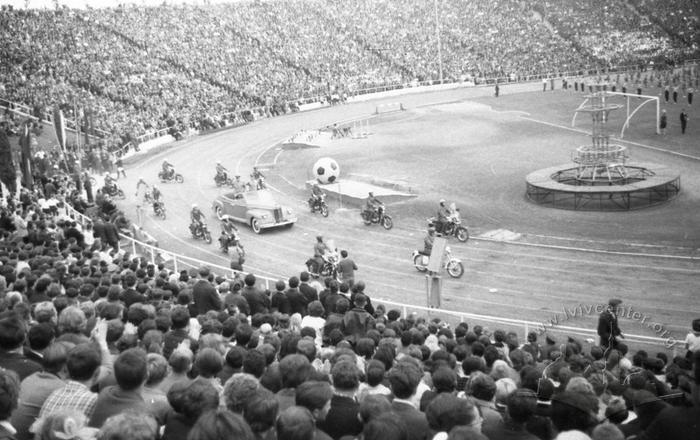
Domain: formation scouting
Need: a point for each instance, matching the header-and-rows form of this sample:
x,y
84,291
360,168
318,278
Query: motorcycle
x,y
377,216
159,209
453,265
113,191
177,177
452,227
222,180
329,268
201,232
319,205
229,238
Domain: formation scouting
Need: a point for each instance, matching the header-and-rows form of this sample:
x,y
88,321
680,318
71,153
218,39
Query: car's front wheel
x,y
255,225
219,212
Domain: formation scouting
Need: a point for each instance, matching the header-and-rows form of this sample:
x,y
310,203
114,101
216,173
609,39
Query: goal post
x,y
645,100
630,109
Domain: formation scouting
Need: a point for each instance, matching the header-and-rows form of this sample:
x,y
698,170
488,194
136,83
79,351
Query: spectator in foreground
x,y
131,372
129,425
12,336
35,389
295,423
404,379
9,393
316,397
221,424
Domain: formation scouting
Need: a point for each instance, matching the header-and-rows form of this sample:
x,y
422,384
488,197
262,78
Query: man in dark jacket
x,y
357,321
257,300
279,301
306,289
297,301
404,379
608,330
204,294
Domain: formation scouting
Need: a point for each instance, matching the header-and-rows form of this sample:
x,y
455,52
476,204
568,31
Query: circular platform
x,y
649,184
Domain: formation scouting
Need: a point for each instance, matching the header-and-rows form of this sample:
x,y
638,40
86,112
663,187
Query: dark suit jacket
x,y
18,363
257,300
279,302
309,292
205,297
415,421
297,301
113,400
342,418
608,328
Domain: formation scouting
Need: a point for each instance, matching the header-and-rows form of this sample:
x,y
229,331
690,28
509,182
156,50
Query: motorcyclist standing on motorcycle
x,y
238,186
168,169
373,205
141,184
443,216
197,219
316,195
221,171
320,249
257,174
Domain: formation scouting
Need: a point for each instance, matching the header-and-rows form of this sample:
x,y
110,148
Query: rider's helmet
x,y
106,174
371,194
154,186
431,230
442,201
218,162
194,206
319,238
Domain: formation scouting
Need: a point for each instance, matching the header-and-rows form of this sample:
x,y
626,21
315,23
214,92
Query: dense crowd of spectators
x,y
608,31
677,17
181,67
98,343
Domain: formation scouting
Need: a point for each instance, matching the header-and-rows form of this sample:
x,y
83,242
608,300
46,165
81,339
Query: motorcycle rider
x,y
320,249
316,195
373,205
443,216
257,179
168,169
156,196
196,219
228,233
110,183
221,172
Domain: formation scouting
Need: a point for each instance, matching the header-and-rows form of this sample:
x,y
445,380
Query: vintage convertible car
x,y
259,209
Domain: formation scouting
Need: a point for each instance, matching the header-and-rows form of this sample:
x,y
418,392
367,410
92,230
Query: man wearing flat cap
x,y
608,330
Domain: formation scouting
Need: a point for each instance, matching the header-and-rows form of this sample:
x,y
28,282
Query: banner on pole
x,y
59,125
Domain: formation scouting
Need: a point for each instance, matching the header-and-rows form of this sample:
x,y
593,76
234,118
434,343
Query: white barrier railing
x,y
178,262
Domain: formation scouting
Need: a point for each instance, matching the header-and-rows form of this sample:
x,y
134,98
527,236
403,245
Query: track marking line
x,y
637,144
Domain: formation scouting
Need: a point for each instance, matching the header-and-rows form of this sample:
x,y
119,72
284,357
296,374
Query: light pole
x,y
437,34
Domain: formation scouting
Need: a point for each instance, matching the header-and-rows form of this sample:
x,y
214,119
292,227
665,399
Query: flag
x,y
25,143
59,125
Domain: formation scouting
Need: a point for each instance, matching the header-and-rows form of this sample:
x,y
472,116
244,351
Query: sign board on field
x,y
437,254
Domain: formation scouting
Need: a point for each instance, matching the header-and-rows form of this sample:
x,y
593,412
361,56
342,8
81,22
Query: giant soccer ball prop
x,y
326,170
